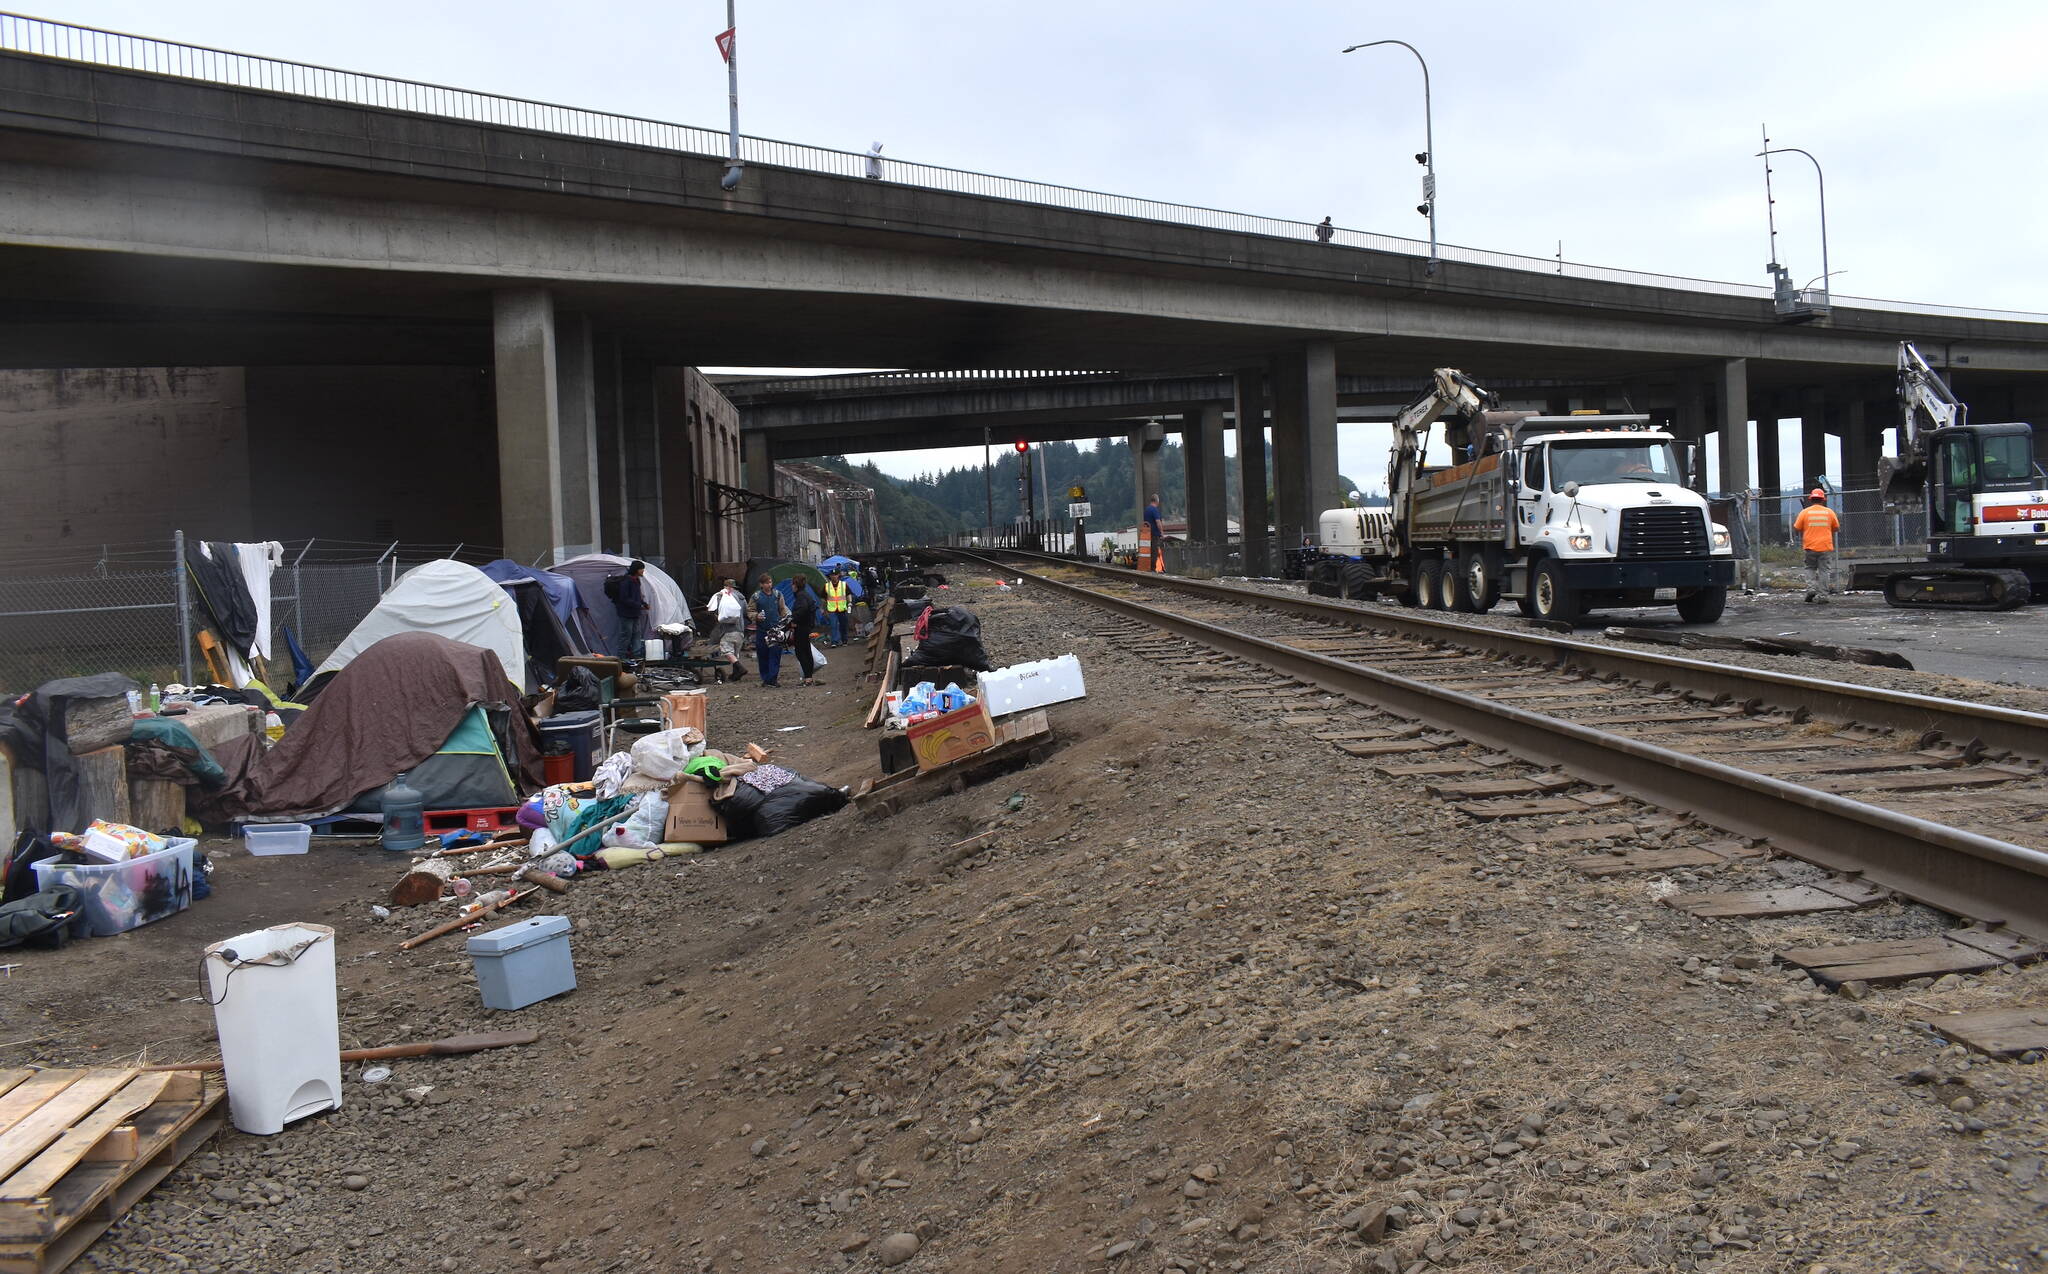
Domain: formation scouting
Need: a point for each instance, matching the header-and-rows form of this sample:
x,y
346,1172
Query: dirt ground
x,y
1210,997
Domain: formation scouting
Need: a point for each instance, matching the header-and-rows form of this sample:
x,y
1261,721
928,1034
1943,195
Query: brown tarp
x,y
391,708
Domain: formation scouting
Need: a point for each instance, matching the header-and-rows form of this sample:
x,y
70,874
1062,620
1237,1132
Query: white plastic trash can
x,y
280,1032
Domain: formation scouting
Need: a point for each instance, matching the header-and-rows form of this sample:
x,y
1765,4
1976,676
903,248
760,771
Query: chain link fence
x,y
123,611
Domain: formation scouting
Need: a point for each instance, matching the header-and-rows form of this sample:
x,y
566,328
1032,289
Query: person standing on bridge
x,y
1816,525
1325,231
875,162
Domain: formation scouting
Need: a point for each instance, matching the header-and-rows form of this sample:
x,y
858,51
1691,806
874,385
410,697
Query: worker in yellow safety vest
x,y
838,601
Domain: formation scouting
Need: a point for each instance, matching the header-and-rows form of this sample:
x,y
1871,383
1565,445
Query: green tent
x,y
466,772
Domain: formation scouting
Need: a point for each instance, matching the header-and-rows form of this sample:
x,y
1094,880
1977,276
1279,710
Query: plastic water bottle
x,y
405,816
156,699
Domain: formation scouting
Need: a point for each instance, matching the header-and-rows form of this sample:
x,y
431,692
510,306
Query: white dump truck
x,y
1561,514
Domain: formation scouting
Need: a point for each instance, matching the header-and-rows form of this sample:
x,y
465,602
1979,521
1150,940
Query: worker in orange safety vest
x,y
1816,526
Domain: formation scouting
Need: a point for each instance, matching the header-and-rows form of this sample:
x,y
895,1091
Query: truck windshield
x,y
1595,461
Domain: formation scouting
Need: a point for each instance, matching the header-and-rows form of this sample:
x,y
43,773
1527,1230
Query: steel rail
x,y
1977,877
1997,729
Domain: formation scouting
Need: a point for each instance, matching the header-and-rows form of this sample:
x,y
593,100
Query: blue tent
x,y
563,598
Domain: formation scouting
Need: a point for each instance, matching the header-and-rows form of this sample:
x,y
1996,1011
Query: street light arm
x,y
1428,135
1820,176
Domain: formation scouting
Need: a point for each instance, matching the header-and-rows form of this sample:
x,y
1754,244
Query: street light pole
x,y
1826,276
731,180
1428,155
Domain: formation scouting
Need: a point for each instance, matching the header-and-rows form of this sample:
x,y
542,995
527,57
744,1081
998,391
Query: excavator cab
x,y
1972,461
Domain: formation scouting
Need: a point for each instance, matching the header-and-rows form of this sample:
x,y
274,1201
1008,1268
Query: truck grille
x,y
1663,533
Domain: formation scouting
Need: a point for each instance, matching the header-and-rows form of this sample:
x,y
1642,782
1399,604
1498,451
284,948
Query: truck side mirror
x,y
1690,457
1570,490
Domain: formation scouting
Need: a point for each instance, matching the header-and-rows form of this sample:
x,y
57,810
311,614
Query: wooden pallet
x,y
1027,737
78,1148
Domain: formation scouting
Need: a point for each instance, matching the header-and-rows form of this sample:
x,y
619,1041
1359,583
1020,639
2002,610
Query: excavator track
x,y
1958,588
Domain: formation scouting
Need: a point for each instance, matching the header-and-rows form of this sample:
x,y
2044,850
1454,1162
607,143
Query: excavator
x,y
1985,498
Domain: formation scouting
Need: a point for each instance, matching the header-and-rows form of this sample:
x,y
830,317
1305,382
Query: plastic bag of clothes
x,y
578,692
770,800
643,827
660,757
951,638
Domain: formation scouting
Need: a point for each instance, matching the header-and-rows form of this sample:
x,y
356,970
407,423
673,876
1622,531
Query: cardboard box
x,y
690,816
943,740
680,708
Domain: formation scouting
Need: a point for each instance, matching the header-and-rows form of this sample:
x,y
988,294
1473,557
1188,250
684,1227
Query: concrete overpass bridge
x,y
161,204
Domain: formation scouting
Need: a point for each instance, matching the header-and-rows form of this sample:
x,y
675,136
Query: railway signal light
x,y
1022,446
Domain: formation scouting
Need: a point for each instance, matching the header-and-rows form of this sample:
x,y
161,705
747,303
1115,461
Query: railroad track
x,y
1940,801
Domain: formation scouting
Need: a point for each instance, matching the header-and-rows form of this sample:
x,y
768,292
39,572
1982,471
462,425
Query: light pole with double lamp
x,y
1428,156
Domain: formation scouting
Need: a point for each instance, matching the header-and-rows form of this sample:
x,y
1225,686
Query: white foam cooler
x,y
1022,687
280,1031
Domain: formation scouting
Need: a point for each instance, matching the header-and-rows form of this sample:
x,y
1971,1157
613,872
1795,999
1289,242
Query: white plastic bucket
x,y
280,1033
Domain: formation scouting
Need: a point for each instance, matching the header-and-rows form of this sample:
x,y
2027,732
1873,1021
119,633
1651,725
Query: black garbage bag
x,y
795,803
952,639
771,800
578,692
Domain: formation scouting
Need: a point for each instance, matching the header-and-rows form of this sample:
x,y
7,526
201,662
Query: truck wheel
x,y
1429,584
1360,584
1553,598
1478,582
1705,606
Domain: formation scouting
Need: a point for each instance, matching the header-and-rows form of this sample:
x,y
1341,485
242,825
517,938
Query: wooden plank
x,y
1793,900
1533,836
1851,953
1999,1032
1482,789
1428,769
10,1078
25,1097
1650,860
1393,747
1347,736
1578,804
27,1137
1868,764
1976,776
44,1171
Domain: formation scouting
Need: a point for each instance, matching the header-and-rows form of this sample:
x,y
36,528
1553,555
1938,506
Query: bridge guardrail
x,y
42,37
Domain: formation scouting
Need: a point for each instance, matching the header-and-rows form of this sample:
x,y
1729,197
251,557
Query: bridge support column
x,y
1254,511
611,441
1862,443
676,445
1813,437
1732,418
1689,421
1304,438
1770,470
640,456
529,443
1145,444
576,427
1208,499
761,480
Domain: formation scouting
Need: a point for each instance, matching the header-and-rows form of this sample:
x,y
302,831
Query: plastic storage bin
x,y
523,963
277,838
131,893
580,731
280,1034
1022,687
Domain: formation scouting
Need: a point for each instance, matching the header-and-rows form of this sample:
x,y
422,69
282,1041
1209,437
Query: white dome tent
x,y
449,598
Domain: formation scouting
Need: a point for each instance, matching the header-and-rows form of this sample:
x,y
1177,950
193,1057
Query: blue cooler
x,y
523,963
580,730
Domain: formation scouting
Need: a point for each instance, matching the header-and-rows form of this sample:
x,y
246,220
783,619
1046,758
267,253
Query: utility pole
x,y
988,487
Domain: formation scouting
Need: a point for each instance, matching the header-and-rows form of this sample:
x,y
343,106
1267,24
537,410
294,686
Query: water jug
x,y
405,819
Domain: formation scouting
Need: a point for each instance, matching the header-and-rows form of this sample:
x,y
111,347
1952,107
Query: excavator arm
x,y
1926,403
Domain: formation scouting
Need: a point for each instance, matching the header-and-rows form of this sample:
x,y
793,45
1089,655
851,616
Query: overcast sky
x,y
1625,130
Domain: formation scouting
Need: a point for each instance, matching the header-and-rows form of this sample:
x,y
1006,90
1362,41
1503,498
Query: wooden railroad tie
x,y
1999,1032
1792,900
1712,854
1900,960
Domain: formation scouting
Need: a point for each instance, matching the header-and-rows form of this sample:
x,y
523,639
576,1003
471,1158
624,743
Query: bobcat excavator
x,y
1986,501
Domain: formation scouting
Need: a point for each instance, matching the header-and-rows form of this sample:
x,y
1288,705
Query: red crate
x,y
489,820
